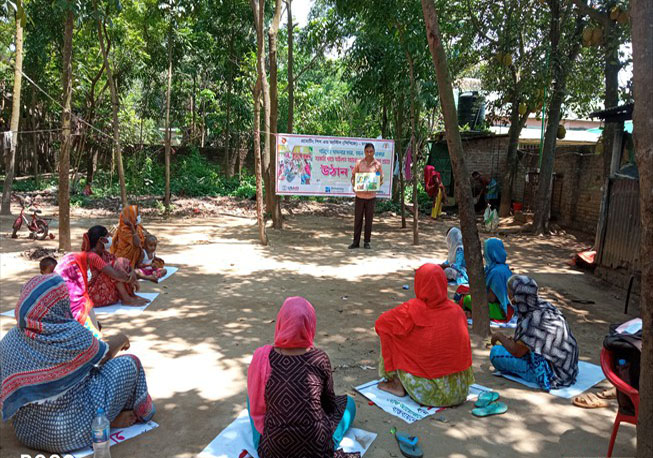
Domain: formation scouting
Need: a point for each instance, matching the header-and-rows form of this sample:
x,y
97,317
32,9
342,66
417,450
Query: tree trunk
x,y
66,144
516,125
473,257
413,146
117,148
257,159
258,6
229,154
277,219
560,73
5,209
168,133
384,118
611,70
400,131
642,36
291,62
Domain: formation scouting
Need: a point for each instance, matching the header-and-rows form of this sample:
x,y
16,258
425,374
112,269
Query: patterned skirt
x,y
449,390
64,425
102,288
531,367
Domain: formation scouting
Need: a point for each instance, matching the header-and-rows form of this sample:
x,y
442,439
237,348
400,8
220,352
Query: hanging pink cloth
x,y
408,163
295,328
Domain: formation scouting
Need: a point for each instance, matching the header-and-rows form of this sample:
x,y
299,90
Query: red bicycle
x,y
38,227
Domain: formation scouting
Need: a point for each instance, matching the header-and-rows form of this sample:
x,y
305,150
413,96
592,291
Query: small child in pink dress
x,y
149,267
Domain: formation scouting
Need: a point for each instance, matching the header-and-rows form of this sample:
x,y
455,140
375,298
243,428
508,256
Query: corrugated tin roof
x,y
573,137
619,113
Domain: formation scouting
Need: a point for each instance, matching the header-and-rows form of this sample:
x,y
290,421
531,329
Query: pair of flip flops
x,y
595,400
487,404
408,445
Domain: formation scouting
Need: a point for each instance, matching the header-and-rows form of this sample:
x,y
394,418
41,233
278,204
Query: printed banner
x,y
310,165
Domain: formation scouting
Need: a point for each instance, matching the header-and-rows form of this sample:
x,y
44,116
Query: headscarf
x,y
497,271
47,352
73,268
426,336
544,330
123,243
295,328
454,241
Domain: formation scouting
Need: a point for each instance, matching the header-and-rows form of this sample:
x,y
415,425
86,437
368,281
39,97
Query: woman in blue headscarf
x,y
497,274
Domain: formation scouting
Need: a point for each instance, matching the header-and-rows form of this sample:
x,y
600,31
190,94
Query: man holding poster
x,y
366,179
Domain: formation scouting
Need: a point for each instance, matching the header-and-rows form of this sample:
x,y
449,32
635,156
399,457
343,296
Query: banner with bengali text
x,y
309,165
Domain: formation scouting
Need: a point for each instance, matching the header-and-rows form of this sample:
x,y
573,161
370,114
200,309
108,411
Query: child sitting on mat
x,y
149,267
47,265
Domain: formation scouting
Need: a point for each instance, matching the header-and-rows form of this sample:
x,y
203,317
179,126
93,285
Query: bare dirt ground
x,y
197,338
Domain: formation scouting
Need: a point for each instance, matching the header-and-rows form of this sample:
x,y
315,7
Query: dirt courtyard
x,y
196,339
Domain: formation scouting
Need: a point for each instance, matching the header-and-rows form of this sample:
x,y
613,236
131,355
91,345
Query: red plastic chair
x,y
607,363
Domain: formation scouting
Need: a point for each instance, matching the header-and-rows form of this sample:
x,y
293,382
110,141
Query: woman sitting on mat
x,y
455,267
104,289
425,347
130,236
56,375
73,268
293,409
543,350
497,274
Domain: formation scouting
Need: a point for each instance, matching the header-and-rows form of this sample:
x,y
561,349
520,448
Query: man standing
x,y
365,200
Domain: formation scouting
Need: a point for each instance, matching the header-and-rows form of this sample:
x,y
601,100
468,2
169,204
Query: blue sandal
x,y
496,408
408,445
486,398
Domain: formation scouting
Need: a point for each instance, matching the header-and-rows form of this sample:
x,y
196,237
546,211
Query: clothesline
x,y
57,103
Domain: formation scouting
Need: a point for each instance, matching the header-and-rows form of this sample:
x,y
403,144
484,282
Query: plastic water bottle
x,y
100,431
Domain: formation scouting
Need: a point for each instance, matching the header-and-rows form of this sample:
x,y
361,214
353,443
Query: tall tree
x,y
275,202
612,22
258,7
168,130
15,110
115,104
510,40
291,63
66,125
641,16
413,131
563,52
473,257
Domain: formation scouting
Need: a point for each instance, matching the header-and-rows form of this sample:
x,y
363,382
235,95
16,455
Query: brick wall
x,y
577,181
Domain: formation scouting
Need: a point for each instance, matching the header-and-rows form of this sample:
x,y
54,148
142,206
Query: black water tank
x,y
471,110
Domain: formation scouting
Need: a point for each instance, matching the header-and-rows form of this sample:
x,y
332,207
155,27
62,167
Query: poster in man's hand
x,y
367,181
308,165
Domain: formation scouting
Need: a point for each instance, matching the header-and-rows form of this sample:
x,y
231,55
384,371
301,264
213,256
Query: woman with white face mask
x,y
74,267
130,237
104,288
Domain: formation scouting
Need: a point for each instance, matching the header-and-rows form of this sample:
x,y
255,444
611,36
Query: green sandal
x,y
496,408
486,398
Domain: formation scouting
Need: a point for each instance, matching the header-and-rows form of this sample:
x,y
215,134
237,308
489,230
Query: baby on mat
x,y
149,266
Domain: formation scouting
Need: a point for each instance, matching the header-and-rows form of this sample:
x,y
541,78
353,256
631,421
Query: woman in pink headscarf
x,y
293,409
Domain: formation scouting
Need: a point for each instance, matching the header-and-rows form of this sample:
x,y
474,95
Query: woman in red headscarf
x,y
293,409
425,347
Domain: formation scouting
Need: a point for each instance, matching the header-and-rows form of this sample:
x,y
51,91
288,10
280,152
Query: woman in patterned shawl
x,y
293,409
543,350
55,374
